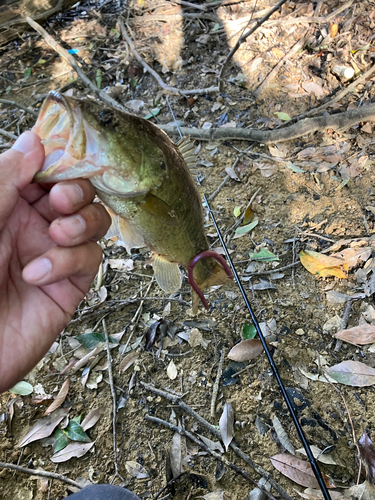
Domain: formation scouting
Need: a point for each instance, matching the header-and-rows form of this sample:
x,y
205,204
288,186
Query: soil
x,y
309,201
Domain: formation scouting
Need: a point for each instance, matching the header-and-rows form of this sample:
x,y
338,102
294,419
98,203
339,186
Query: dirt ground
x,y
305,199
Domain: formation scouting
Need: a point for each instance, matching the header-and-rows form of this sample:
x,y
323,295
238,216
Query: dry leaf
x,y
364,491
60,398
232,174
122,265
282,435
352,255
212,445
129,360
334,30
358,335
226,425
246,350
176,455
317,452
44,426
73,450
367,451
353,373
91,419
215,495
323,265
172,370
136,470
297,470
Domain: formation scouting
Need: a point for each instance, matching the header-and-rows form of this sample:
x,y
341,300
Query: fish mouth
x,y
61,127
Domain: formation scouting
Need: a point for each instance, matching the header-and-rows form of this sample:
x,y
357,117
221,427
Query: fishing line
x,y
298,427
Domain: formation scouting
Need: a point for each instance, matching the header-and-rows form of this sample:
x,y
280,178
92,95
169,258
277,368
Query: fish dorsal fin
x,y
187,148
158,208
167,274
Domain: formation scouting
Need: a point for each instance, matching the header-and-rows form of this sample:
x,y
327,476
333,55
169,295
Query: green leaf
x,y
27,73
216,27
154,112
264,255
8,89
22,388
61,440
294,168
246,229
75,432
237,211
283,116
248,331
41,61
77,419
98,78
343,183
91,340
133,82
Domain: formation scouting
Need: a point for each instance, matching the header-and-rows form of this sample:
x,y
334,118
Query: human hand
x,y
48,256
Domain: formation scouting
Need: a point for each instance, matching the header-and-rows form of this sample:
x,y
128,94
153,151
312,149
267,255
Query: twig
x,y
153,73
20,106
340,95
336,121
242,39
344,323
294,257
9,135
217,191
215,388
296,47
200,443
272,271
114,406
40,473
74,64
216,433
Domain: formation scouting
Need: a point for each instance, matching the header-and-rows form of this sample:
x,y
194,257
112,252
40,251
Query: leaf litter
x,y
301,190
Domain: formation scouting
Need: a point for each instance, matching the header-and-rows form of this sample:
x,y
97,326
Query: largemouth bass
x,y
140,175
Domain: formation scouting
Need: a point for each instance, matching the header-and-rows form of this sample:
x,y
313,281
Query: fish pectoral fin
x,y
127,233
167,274
158,208
62,172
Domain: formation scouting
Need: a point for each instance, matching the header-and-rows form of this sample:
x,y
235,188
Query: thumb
x,y
18,166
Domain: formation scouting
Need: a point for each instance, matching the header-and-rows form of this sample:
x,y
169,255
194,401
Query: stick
x,y
9,135
307,126
215,388
242,39
114,406
153,73
40,473
200,443
216,433
74,64
21,106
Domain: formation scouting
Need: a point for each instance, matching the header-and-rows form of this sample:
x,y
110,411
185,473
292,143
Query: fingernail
x,y
72,192
37,270
73,226
25,143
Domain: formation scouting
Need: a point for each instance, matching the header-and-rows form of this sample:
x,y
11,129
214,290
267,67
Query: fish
x,y
142,177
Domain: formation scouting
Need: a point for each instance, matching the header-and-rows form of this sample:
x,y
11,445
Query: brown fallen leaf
x,y
297,470
352,255
364,491
91,419
44,426
129,360
73,450
246,350
367,455
323,265
334,30
358,335
60,398
353,373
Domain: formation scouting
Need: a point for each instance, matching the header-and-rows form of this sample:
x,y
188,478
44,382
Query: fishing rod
x,y
313,462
